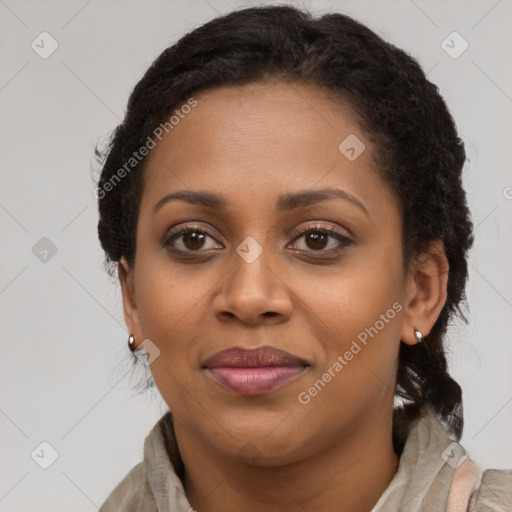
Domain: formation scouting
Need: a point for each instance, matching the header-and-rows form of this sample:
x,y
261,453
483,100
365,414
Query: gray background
x,y
65,369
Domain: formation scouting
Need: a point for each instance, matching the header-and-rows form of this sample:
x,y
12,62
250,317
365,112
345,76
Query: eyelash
x,y
317,228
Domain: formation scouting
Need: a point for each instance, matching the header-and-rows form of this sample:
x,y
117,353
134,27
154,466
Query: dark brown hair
x,y
415,141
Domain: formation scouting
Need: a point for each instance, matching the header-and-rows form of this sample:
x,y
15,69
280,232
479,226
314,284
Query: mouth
x,y
253,372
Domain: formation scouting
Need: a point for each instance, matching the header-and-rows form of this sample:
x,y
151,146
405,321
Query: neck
x,y
351,473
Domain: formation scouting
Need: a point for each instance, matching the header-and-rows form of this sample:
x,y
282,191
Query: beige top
x,y
434,475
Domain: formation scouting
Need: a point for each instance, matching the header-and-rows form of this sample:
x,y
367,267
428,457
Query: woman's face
x,y
246,274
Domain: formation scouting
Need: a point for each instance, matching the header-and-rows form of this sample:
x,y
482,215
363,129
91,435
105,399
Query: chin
x,y
263,440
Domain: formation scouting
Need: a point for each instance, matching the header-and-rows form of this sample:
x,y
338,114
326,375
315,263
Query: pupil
x,y
194,238
315,238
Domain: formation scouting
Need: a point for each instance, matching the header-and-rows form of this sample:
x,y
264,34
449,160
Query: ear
x,y
131,313
426,291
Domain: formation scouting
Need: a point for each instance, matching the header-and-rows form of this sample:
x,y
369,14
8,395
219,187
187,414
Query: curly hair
x,y
416,146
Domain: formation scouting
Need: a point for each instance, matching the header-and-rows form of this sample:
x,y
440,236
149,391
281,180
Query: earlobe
x,y
426,293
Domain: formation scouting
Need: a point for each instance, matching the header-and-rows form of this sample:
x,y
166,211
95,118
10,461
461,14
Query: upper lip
x,y
238,357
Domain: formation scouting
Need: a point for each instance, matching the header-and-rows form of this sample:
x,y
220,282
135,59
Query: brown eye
x,y
193,240
188,239
317,239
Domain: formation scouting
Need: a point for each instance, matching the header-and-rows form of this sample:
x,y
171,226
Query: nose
x,y
253,292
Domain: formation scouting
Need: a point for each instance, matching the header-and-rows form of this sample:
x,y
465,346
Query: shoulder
x,y
495,493
472,490
130,493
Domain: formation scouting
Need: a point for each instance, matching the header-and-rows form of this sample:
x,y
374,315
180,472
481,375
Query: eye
x,y
193,239
189,238
317,239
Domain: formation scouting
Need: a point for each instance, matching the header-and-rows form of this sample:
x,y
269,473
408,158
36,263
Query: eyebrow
x,y
285,202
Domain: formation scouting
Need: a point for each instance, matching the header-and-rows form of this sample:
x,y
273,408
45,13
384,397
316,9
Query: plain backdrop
x,y
65,369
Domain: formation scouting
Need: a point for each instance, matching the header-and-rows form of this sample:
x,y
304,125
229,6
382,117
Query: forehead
x,y
272,116
258,139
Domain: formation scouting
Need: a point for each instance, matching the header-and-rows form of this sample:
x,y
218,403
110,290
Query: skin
x,y
270,452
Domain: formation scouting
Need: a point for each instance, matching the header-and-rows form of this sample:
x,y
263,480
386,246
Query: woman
x,y
283,206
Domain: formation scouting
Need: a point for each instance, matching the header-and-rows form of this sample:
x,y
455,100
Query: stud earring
x,y
131,343
419,335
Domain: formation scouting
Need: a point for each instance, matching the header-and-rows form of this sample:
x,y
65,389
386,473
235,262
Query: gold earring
x,y
131,343
419,335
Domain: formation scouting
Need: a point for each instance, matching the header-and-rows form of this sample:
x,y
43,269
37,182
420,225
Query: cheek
x,y
169,294
357,296
171,313
175,313
362,310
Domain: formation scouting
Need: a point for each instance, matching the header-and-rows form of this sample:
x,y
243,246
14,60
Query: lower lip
x,y
254,381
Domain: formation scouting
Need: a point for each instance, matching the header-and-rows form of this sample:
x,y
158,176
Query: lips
x,y
256,371
237,357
